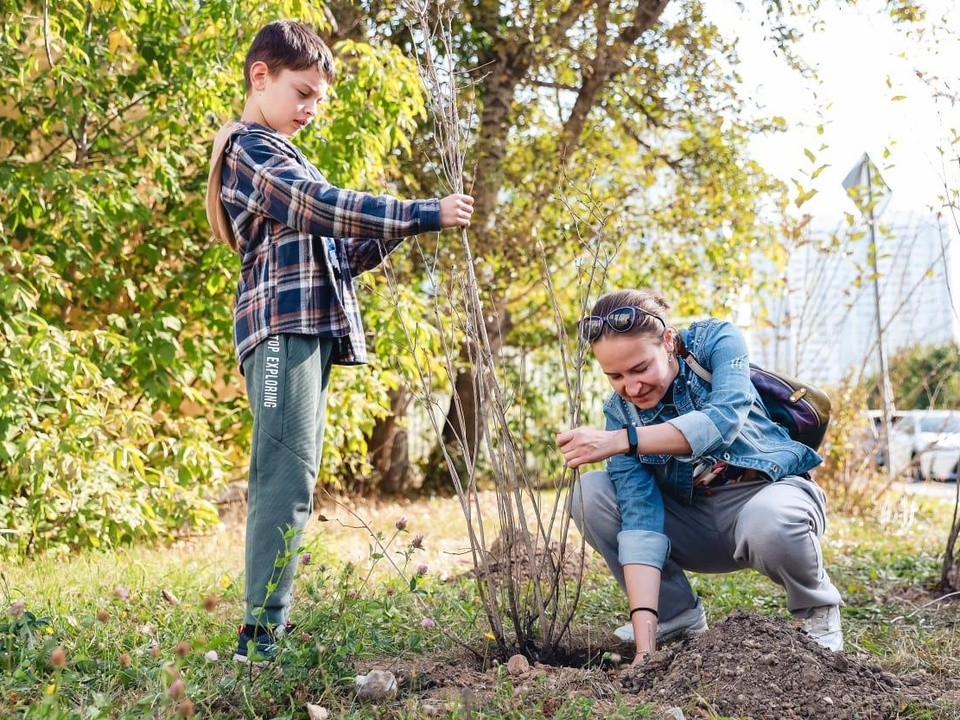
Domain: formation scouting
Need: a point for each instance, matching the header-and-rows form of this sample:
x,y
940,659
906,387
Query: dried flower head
x,y
58,658
186,708
103,615
124,659
182,649
177,690
17,609
417,541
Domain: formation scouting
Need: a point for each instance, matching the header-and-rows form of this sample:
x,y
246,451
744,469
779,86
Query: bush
x,y
80,463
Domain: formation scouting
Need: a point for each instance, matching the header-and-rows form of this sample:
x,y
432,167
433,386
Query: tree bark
x,y
387,447
461,430
950,568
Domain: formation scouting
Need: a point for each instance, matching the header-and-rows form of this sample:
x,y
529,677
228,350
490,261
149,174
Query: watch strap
x,y
631,440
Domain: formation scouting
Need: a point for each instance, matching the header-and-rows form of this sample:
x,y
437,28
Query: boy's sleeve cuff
x,y
643,547
429,213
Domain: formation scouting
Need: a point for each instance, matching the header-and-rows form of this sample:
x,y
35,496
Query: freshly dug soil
x,y
752,666
747,666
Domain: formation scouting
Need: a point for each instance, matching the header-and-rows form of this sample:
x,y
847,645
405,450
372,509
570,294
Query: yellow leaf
x,y
116,39
803,197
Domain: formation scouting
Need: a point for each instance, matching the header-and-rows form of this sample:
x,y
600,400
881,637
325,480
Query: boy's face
x,y
286,101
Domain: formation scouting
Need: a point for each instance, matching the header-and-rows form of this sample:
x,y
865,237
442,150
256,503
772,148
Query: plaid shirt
x,y
297,236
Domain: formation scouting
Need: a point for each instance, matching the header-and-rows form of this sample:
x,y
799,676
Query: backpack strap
x,y
691,361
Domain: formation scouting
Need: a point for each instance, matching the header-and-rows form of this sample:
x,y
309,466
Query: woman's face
x,y
640,368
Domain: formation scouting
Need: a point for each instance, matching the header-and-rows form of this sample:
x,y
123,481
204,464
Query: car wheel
x,y
916,474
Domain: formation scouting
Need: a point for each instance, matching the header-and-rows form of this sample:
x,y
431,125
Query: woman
x,y
698,477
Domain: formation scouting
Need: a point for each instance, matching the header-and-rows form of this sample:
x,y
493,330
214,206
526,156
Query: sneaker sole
x,y
683,633
244,660
678,633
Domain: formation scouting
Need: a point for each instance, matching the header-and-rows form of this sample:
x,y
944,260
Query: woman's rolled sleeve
x,y
643,547
641,538
699,430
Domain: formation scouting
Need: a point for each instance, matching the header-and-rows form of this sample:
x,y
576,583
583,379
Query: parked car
x,y
900,445
925,444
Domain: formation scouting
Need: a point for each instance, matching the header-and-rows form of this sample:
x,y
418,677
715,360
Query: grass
x,y
149,632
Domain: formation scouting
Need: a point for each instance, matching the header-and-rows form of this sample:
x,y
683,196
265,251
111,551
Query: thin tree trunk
x,y
388,447
461,428
950,569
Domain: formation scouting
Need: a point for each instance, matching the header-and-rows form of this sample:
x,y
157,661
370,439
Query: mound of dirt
x,y
511,557
751,666
747,666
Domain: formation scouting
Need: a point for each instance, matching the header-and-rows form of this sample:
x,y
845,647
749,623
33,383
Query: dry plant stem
x,y
466,491
926,605
574,387
509,474
534,595
949,559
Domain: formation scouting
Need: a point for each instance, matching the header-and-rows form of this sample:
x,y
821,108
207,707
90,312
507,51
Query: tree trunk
x,y
387,447
950,569
461,429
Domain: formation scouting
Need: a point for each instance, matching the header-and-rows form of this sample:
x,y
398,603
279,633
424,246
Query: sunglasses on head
x,y
620,320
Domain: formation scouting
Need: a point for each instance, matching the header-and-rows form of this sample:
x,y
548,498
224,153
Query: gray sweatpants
x,y
774,528
287,378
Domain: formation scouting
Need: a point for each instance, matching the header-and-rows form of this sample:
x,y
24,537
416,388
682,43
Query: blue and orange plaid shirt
x,y
302,241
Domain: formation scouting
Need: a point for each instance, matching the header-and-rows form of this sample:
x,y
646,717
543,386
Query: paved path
x,y
944,490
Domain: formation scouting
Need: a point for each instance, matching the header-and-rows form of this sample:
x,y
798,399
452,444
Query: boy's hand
x,y
455,210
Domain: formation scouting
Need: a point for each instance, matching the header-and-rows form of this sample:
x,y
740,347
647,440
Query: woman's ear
x,y
670,340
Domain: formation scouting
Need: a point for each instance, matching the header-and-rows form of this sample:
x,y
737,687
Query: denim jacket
x,y
722,420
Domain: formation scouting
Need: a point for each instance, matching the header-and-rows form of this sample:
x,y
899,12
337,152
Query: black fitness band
x,y
631,440
638,609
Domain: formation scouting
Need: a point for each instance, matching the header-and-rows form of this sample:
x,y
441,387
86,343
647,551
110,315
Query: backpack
x,y
801,408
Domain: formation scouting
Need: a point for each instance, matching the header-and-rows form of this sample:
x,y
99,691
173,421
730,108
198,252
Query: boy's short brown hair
x,y
289,45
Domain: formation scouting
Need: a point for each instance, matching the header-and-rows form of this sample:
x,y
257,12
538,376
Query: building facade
x,y
822,323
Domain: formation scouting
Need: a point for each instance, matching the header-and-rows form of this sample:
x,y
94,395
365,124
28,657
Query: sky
x,y
864,62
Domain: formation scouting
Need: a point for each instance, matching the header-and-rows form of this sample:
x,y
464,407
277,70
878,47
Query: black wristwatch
x,y
631,440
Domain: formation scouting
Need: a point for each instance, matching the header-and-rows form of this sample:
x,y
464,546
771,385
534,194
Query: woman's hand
x,y
584,445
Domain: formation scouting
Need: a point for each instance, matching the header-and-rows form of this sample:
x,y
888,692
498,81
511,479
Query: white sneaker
x,y
823,625
689,622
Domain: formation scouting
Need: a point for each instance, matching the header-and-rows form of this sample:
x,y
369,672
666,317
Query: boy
x,y
301,241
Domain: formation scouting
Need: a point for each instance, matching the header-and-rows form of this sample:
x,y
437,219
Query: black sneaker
x,y
257,645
